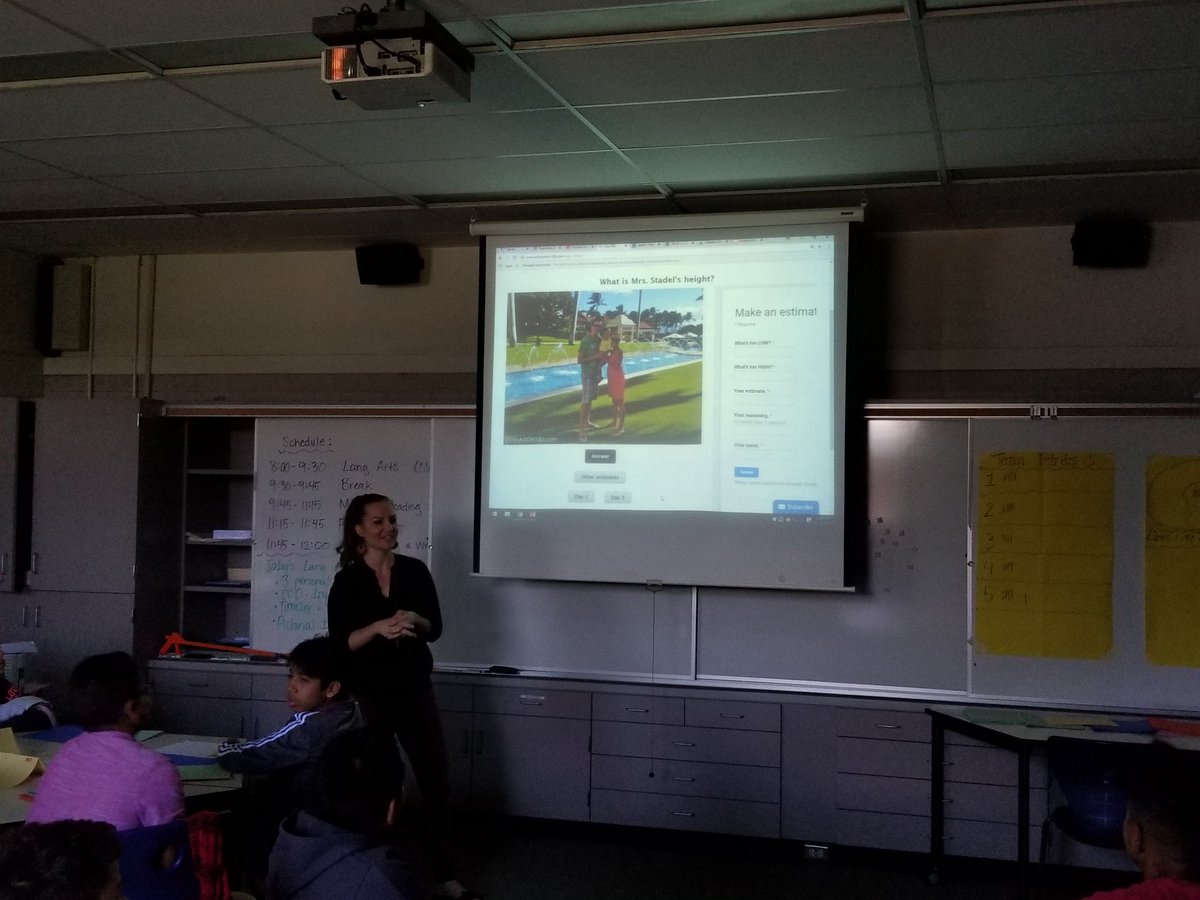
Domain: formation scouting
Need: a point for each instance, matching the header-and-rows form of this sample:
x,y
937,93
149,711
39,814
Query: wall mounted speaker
x,y
1111,243
389,264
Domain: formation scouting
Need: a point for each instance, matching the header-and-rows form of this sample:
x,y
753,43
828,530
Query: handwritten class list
x,y
306,473
1172,560
1044,555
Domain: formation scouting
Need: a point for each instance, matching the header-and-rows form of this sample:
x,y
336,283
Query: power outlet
x,y
816,851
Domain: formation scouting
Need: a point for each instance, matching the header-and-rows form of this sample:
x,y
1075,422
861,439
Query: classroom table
x,y
196,794
1021,740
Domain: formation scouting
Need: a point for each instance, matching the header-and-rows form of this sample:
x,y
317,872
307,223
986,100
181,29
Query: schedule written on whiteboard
x,y
306,473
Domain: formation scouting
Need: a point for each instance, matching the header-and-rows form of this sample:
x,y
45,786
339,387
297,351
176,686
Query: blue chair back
x,y
1091,776
143,875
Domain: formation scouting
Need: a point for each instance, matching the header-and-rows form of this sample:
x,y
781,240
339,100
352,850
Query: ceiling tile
x,y
121,107
127,23
62,194
1073,145
298,96
523,24
22,33
565,174
248,185
745,120
1069,99
787,163
840,58
175,151
1095,38
18,168
497,134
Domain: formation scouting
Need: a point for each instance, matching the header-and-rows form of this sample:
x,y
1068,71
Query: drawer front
x,y
749,748
519,702
885,831
910,796
457,697
622,739
269,687
631,708
900,759
739,714
981,764
200,683
690,779
687,813
211,716
986,840
991,803
883,724
871,793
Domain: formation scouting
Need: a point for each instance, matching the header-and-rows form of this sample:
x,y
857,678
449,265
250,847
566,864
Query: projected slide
x,y
690,375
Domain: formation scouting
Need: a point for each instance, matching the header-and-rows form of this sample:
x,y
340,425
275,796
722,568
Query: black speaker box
x,y
389,264
1111,243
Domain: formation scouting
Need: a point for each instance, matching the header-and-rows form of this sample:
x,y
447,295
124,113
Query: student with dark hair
x,y
1162,827
104,774
316,673
67,860
338,846
288,757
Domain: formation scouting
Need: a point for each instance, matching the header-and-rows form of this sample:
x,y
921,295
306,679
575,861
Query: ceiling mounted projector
x,y
393,59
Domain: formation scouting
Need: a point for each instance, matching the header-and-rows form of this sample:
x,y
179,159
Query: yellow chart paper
x,y
1173,560
1044,555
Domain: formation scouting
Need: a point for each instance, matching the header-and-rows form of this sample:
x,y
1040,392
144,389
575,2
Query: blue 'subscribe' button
x,y
797,508
745,471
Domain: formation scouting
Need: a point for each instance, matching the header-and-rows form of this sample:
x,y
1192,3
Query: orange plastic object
x,y
175,642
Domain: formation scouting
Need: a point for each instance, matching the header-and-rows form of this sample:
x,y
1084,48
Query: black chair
x,y
1091,776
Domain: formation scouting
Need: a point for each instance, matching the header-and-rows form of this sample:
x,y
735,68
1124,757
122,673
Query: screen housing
x,y
788,544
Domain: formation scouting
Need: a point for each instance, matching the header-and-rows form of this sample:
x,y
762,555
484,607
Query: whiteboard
x,y
906,627
1123,678
306,470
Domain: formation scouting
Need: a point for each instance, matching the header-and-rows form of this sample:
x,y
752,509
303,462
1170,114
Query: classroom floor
x,y
527,860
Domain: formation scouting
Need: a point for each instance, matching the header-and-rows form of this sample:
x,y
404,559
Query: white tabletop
x,y
14,806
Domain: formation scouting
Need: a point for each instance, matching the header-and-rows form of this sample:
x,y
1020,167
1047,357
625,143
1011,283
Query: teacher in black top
x,y
384,607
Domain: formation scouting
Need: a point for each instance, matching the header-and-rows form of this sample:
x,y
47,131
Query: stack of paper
x,y
15,767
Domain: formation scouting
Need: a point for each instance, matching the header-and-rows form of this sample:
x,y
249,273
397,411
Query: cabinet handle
x,y
637,709
682,744
3,564
883,725
37,616
730,716
25,616
33,562
530,700
193,684
686,815
681,778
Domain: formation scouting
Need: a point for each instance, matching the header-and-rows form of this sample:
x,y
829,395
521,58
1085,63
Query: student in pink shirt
x,y
1162,827
104,774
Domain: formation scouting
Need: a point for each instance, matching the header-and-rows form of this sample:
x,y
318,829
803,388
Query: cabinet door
x,y
456,726
85,476
68,627
8,492
532,766
213,716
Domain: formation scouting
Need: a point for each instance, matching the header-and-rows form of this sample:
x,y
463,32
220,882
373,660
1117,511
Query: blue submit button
x,y
797,508
745,471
